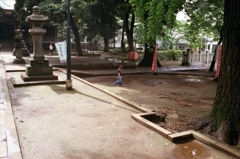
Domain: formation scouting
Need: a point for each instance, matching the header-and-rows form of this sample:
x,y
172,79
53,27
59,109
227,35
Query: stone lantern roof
x,y
36,17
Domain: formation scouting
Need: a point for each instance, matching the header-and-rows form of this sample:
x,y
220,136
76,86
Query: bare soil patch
x,y
185,99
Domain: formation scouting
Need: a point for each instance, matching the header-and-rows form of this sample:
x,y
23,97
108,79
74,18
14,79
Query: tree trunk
x,y
149,49
106,45
148,57
226,107
114,41
77,37
129,31
122,41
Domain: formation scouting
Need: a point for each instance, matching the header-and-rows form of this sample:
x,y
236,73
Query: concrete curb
x,y
181,72
138,118
12,142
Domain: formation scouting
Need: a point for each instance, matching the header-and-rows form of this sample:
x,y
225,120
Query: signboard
x,y
154,63
219,52
62,51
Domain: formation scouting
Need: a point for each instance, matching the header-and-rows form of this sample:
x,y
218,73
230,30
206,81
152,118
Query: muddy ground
x,y
184,98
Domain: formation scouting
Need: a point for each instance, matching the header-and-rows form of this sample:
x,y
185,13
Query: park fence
x,y
201,57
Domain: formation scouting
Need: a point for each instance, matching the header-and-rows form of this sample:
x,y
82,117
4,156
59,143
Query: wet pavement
x,y
86,122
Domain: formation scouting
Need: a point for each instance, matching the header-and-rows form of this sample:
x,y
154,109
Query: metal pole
x,y
68,81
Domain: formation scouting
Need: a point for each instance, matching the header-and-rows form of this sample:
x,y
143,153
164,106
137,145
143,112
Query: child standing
x,y
51,48
119,77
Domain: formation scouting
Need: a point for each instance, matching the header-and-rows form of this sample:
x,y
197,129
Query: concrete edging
x,y
205,139
138,118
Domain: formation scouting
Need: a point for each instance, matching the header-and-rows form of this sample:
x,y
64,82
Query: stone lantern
x,y
38,67
25,51
18,46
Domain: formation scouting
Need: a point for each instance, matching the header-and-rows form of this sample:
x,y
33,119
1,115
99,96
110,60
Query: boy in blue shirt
x,y
119,77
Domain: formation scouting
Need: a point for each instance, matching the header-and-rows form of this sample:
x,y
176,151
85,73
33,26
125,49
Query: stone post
x,y
186,57
38,67
18,46
189,56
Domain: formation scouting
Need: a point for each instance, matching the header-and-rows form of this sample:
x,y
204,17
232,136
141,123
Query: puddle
x,y
192,80
111,59
193,149
161,82
154,83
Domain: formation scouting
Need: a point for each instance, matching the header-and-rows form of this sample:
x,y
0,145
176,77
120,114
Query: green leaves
x,y
156,15
101,19
206,15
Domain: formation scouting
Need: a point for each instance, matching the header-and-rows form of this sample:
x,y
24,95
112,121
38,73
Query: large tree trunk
x,y
225,118
77,37
106,45
147,57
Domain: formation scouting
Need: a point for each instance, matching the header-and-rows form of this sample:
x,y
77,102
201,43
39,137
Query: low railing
x,y
201,57
47,40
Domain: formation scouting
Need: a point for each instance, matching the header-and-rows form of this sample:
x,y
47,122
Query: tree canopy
x,y
100,19
156,14
23,8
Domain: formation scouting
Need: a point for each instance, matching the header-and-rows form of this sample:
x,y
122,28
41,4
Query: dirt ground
x,y
62,127
185,99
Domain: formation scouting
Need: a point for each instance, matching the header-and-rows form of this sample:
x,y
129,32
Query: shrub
x,y
170,55
116,50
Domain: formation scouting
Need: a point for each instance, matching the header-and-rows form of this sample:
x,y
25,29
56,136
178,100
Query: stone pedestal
x,y
18,51
39,68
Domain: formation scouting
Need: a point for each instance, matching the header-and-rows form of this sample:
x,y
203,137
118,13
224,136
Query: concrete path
x,y
84,123
9,145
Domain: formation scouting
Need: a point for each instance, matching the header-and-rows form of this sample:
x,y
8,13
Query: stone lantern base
x,y
19,61
39,70
25,51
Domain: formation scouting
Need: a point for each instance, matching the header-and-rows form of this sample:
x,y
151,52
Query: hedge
x,y
169,55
